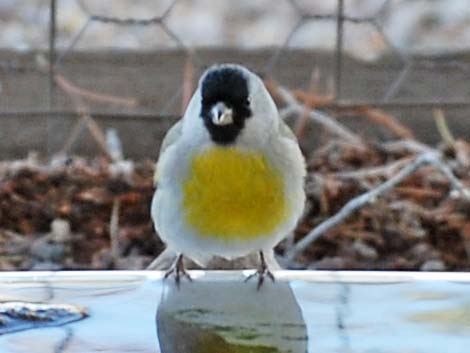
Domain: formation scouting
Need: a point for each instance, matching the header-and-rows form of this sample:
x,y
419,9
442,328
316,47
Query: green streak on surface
x,y
212,343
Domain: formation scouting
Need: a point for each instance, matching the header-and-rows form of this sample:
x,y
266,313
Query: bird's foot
x,y
178,270
262,272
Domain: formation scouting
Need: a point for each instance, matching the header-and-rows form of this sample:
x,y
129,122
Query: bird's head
x,y
232,102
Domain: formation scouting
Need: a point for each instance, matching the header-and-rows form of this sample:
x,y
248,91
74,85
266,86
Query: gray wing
x,y
170,138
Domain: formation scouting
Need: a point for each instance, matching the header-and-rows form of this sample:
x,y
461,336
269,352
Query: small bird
x,y
230,175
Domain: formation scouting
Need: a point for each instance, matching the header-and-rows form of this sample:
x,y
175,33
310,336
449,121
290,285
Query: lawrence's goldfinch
x,y
230,176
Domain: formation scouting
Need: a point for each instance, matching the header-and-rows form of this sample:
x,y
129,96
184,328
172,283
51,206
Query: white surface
x,y
380,312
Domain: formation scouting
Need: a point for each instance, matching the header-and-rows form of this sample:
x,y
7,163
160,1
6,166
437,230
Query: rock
x,y
43,249
328,263
365,251
102,259
132,262
122,168
46,266
423,252
60,230
54,246
433,265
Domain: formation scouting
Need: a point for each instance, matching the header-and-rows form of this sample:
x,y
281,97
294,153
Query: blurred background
x,y
407,53
417,26
89,87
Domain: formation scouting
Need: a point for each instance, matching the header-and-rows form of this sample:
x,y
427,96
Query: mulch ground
x,y
58,216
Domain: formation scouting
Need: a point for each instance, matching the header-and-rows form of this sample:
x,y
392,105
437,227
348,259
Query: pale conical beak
x,y
221,114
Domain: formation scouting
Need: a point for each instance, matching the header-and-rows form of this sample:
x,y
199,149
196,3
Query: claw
x,y
262,272
178,270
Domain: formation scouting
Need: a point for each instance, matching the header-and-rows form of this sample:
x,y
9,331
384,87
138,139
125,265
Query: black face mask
x,y
229,86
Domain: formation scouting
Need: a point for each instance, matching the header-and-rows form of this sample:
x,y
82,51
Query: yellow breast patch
x,y
233,194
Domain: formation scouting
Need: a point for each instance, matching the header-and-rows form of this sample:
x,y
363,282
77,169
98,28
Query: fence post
x,y
339,48
52,53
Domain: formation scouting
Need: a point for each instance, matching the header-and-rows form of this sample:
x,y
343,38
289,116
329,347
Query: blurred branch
x,y
301,123
293,106
405,146
313,99
71,88
188,83
73,136
76,94
443,128
380,117
114,229
383,170
97,133
428,158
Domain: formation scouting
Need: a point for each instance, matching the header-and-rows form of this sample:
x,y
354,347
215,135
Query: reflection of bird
x,y
228,322
230,174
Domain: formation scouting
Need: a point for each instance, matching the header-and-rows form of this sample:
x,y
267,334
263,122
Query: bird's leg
x,y
178,269
262,272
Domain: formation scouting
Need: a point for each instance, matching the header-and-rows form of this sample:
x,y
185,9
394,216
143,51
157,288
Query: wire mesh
x,y
50,64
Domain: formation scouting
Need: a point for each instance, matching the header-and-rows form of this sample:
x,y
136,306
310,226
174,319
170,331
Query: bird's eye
x,y
247,102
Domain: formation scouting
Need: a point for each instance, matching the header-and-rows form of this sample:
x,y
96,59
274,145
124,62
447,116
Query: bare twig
x,y
360,201
97,133
86,118
301,123
188,83
443,128
74,134
380,117
114,229
71,88
293,106
458,188
405,146
383,170
313,99
462,153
